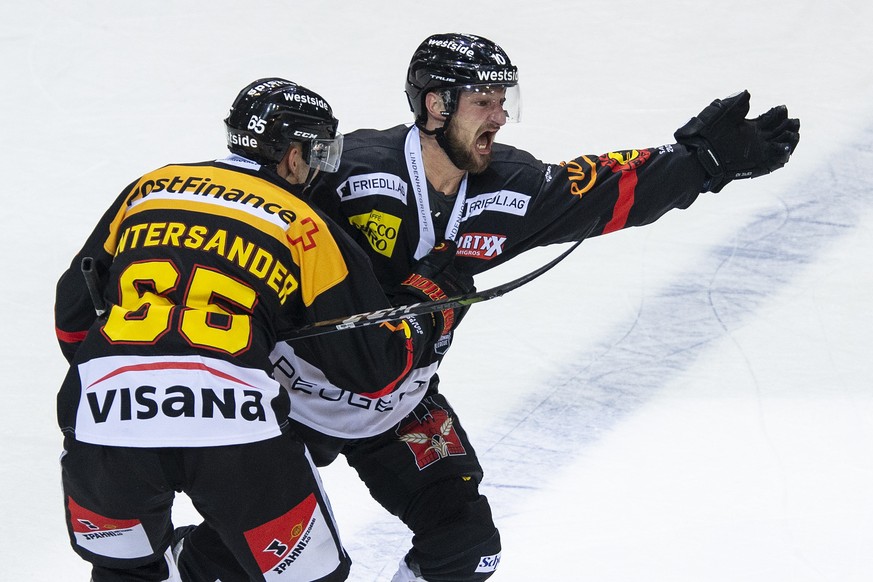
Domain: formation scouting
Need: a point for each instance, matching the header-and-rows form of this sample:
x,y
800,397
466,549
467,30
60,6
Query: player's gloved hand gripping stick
x,y
435,278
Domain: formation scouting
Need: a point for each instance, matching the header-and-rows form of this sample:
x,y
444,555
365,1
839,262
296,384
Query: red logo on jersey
x,y
86,521
625,160
480,245
307,238
277,543
432,438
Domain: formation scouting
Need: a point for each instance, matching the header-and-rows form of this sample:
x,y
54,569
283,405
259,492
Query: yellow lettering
x,y
217,242
175,230
240,252
195,237
122,242
288,287
581,178
277,275
154,233
136,230
261,264
247,255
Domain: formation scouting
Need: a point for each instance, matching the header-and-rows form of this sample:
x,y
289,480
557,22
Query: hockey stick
x,y
405,311
93,283
370,317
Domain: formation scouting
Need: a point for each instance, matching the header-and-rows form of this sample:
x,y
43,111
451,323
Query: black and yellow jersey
x,y
202,266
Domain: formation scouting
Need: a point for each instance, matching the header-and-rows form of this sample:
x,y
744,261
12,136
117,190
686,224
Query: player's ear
x,y
289,164
435,104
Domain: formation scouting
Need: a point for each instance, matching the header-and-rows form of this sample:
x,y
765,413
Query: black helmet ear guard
x,y
270,114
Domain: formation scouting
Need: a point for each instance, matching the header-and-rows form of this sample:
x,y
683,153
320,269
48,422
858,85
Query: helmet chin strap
x,y
300,189
310,178
440,135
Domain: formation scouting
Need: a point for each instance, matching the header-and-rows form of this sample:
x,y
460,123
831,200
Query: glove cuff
x,y
430,291
691,136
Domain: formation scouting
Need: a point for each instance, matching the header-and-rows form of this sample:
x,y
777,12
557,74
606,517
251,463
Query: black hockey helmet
x,y
269,114
455,61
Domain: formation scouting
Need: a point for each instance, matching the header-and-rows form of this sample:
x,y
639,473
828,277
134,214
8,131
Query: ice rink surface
x,y
689,401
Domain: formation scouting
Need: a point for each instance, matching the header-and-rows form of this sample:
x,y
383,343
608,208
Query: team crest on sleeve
x,y
582,174
625,160
431,437
304,234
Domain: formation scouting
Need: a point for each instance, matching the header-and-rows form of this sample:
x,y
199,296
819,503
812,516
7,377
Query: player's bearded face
x,y
470,132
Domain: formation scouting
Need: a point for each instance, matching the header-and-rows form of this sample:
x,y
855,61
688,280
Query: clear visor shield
x,y
507,98
325,154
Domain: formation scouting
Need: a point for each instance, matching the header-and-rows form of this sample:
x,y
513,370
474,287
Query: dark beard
x,y
459,154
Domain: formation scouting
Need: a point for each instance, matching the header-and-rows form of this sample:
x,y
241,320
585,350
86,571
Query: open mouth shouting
x,y
485,141
470,150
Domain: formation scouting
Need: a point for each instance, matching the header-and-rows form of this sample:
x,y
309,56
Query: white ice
x,y
689,401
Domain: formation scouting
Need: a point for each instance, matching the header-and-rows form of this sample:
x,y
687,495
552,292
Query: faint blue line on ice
x,y
701,306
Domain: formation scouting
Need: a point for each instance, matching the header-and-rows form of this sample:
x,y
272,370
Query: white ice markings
x,y
672,329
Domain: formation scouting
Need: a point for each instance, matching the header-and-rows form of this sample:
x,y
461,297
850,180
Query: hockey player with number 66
x,y
200,266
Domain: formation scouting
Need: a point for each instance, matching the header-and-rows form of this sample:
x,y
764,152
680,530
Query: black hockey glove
x,y
435,277
731,147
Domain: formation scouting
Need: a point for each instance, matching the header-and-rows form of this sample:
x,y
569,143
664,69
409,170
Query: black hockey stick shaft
x,y
406,311
371,317
92,280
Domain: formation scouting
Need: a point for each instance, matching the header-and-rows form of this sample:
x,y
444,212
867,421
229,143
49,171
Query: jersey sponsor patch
x,y
376,184
225,192
177,186
380,228
432,437
330,409
295,546
488,563
442,345
173,401
105,536
480,245
503,201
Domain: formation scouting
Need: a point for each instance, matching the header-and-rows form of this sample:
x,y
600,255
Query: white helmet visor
x,y
325,154
506,97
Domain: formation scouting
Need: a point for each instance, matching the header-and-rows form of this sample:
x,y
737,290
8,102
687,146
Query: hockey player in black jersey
x,y
401,191
202,265
411,195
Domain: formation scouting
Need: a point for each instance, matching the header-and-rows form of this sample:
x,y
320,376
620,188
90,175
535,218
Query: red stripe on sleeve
x,y
71,337
627,185
391,387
